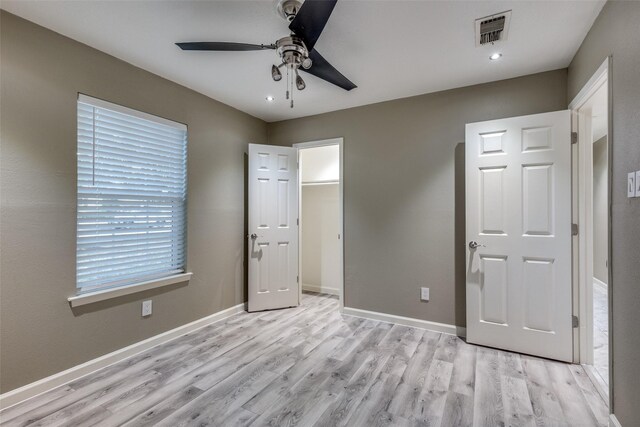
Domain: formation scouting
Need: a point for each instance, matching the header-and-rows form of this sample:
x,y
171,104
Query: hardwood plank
x,y
544,402
407,394
347,401
487,409
400,343
89,419
275,391
574,406
164,408
94,401
223,398
463,377
56,411
32,404
373,407
433,396
239,417
516,402
458,410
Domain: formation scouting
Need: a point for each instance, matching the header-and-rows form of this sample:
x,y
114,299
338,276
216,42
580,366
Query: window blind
x,y
131,223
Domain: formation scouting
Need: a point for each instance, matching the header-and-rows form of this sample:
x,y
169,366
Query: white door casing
x,y
273,229
518,205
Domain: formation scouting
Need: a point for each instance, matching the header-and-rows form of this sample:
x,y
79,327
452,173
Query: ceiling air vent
x,y
492,29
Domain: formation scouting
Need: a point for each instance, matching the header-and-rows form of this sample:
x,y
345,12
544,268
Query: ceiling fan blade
x,y
224,46
321,68
311,19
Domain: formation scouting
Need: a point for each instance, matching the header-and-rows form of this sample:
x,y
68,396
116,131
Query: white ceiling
x,y
390,49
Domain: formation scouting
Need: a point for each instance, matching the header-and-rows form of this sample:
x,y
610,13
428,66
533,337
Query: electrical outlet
x,y
631,184
146,308
424,294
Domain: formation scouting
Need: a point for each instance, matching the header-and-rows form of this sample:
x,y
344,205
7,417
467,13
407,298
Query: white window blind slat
x,y
131,221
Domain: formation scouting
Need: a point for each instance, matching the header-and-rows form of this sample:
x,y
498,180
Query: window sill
x,y
91,297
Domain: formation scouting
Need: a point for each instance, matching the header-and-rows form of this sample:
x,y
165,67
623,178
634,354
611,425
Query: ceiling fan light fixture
x,y
300,84
276,74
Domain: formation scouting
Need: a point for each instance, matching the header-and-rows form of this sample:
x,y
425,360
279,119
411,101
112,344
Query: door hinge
x,y
574,137
575,322
574,229
297,221
297,279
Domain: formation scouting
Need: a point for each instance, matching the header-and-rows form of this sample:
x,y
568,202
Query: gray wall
x,y
600,204
404,188
41,74
616,32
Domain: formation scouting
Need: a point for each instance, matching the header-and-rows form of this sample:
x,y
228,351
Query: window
x,y
131,224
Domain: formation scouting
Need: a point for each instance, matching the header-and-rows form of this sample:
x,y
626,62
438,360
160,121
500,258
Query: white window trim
x,y
91,297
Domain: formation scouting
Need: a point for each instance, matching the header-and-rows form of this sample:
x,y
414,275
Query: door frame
x,y
339,141
582,189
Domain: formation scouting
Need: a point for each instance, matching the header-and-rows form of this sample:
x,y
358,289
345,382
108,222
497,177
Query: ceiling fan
x,y
296,51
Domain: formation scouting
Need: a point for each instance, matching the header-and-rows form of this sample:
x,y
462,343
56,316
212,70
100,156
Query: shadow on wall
x,y
460,237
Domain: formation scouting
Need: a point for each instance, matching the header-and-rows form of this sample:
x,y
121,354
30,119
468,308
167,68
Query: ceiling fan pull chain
x,y
287,82
291,85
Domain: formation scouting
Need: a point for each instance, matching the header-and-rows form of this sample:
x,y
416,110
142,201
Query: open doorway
x,y
591,115
320,231
600,254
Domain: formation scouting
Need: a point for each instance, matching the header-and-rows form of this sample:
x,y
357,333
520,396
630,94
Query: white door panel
x,y
273,215
518,207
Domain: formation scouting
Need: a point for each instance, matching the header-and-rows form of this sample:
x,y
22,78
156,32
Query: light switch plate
x,y
146,308
637,183
424,294
631,184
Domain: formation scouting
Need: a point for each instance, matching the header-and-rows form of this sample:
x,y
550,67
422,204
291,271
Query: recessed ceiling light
x,y
495,56
270,98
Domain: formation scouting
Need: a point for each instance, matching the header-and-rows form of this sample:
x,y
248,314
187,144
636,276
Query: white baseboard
x,y
613,421
28,391
321,289
406,321
599,283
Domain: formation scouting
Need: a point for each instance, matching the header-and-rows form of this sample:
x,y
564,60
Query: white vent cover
x,y
492,29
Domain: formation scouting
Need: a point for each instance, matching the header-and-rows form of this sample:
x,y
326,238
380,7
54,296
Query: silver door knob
x,y
254,236
473,245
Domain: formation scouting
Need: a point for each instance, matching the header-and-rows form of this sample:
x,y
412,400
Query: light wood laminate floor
x,y
311,365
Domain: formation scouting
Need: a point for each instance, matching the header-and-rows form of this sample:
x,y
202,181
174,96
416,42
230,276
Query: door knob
x,y
254,236
473,245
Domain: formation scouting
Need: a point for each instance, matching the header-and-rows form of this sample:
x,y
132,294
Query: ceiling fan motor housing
x,y
293,52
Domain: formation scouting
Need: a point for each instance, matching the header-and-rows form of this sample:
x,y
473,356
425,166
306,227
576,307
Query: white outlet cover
x,y
637,183
424,294
631,184
146,308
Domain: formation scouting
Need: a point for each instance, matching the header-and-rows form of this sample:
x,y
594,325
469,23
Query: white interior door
x,y
518,209
273,229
